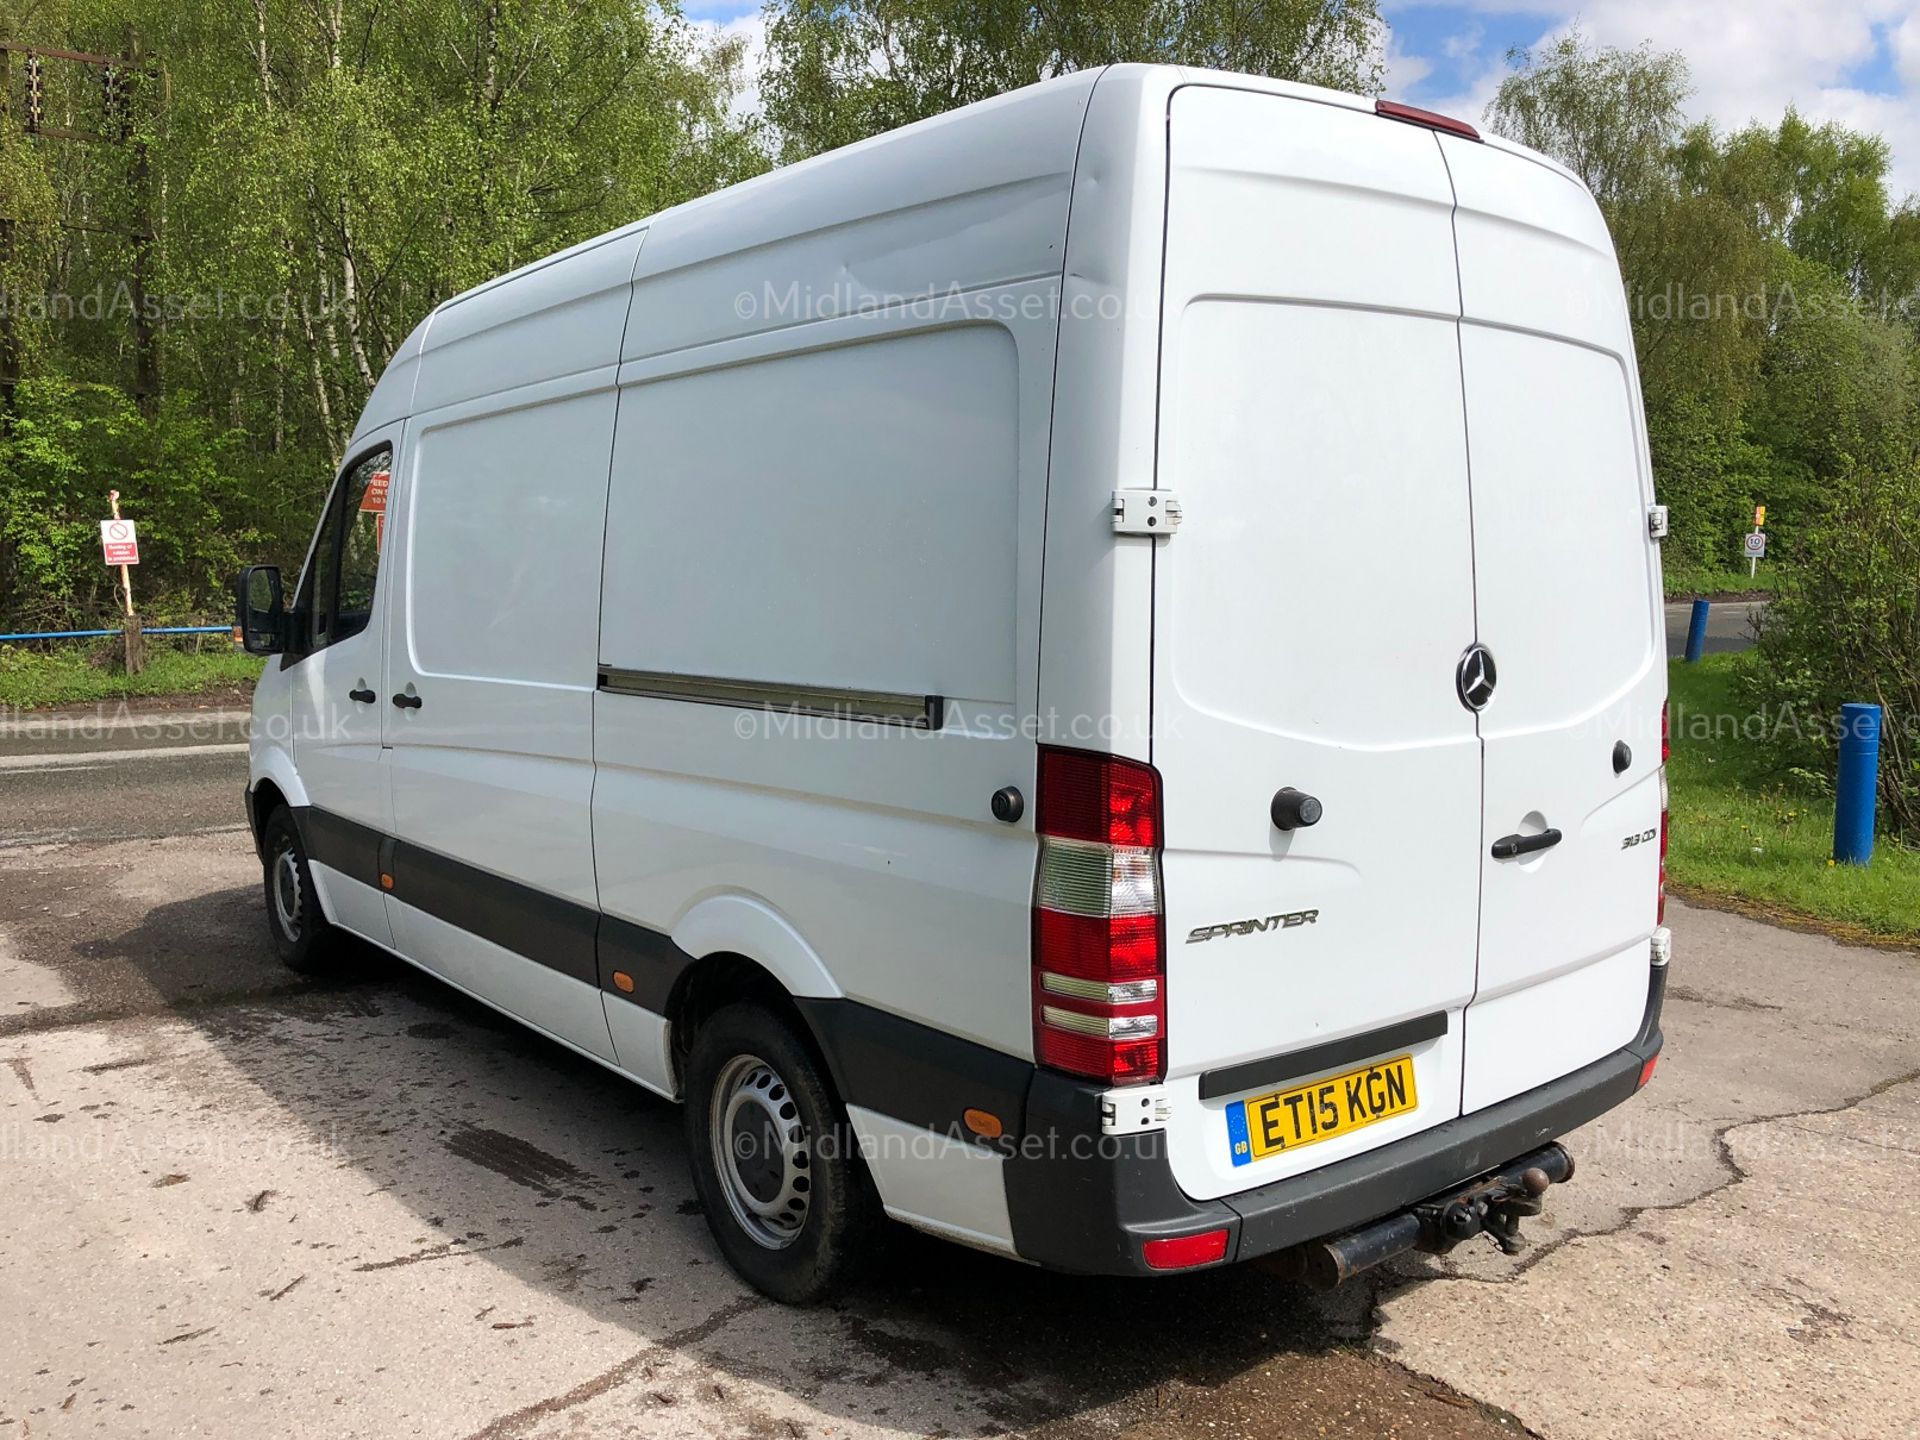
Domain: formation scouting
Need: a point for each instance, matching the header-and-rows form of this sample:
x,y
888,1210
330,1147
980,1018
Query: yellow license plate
x,y
1308,1114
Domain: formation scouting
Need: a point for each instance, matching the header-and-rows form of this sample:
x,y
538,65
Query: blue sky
x,y
1856,61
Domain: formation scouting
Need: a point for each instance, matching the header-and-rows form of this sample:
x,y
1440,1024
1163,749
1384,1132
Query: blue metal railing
x,y
101,634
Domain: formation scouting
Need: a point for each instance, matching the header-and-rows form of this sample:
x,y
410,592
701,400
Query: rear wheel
x,y
302,936
785,1194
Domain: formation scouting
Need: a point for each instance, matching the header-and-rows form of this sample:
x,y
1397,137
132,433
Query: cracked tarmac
x,y
240,1203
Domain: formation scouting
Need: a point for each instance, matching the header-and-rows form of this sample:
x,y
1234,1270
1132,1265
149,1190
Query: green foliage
x,y
1837,386
1748,828
68,675
1845,626
1768,283
1686,581
180,477
838,72
1819,191
316,178
1611,116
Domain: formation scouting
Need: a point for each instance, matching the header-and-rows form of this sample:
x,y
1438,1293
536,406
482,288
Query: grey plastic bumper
x,y
1089,1207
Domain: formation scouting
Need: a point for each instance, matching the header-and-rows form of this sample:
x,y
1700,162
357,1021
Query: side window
x,y
316,586
365,522
337,592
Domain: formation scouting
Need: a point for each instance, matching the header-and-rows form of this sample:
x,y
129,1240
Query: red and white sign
x,y
373,500
121,542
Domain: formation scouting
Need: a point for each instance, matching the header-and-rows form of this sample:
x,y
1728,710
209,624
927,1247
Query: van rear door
x,y
1570,610
1309,618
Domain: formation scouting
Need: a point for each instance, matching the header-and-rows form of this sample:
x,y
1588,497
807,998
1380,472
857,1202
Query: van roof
x,y
762,203
914,165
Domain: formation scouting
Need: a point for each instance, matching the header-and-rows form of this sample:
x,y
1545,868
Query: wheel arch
x,y
263,799
273,782
745,949
712,983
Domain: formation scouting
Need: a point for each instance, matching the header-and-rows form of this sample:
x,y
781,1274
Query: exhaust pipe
x,y
1494,1206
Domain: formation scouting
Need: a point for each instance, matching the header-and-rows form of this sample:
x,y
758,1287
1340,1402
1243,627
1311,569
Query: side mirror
x,y
261,610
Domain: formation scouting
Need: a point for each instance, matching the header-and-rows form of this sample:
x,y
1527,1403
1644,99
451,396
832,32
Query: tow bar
x,y
1493,1205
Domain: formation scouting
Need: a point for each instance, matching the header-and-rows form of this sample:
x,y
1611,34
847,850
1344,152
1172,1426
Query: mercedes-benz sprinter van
x,y
1086,675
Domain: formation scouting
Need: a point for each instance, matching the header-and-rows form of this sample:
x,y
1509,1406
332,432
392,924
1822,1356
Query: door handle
x,y
365,697
1512,847
407,702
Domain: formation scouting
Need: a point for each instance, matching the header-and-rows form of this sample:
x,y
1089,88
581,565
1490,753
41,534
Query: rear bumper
x,y
1084,1202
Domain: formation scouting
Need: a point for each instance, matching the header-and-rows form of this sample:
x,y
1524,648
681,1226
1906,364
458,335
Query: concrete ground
x,y
243,1203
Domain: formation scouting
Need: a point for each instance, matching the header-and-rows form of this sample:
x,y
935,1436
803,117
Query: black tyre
x,y
302,936
785,1192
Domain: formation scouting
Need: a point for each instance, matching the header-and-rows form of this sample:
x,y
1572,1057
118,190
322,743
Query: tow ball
x,y
1493,1205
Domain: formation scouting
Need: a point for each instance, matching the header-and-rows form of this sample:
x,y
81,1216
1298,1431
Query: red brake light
x,y
1646,1070
1091,947
1414,115
1099,941
1098,798
1178,1252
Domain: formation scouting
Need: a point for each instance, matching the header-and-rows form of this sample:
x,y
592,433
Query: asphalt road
x,y
1730,626
242,1203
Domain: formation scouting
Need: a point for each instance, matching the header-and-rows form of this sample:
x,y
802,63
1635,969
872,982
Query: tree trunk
x,y
261,67
350,300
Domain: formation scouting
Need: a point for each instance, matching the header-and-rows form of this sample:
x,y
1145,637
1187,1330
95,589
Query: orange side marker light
x,y
984,1123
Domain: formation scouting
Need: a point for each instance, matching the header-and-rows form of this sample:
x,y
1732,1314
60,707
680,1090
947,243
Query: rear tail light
x,y
1666,813
1099,939
1646,1071
1179,1252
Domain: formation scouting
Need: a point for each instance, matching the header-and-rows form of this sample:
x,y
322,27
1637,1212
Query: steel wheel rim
x,y
286,892
762,1150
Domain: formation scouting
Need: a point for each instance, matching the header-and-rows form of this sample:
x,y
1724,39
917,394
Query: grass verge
x,y
1685,583
36,679
1749,838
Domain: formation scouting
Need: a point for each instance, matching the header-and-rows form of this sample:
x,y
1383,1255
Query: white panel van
x,y
1086,675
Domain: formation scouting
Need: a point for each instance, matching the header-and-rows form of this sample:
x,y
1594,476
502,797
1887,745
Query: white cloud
x,y
1750,62
1905,40
1465,45
1751,59
1404,70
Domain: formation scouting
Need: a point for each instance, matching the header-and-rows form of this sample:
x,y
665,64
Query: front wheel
x,y
302,936
786,1196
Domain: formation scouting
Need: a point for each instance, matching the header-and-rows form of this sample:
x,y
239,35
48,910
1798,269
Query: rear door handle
x,y
1512,847
365,697
407,702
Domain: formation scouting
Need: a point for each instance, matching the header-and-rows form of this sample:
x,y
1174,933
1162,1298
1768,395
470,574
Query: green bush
x,y
200,508
1845,626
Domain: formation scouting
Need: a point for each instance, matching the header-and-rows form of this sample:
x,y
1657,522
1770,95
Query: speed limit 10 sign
x,y
120,541
1757,545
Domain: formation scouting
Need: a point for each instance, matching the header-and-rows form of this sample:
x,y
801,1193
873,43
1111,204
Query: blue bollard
x,y
1858,785
1697,632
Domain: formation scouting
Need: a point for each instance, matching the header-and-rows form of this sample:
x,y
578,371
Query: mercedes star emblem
x,y
1476,678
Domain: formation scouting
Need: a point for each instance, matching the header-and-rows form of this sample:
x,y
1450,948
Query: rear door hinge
x,y
1145,512
1658,527
1134,1110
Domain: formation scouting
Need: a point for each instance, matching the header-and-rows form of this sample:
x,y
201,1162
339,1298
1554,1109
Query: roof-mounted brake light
x,y
1413,115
